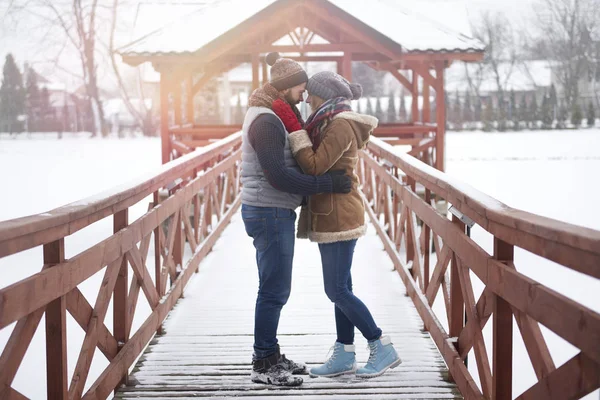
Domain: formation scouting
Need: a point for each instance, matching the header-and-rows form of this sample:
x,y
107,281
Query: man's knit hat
x,y
285,73
328,85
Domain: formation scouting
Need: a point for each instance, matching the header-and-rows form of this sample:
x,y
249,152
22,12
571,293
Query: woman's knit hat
x,y
285,72
328,85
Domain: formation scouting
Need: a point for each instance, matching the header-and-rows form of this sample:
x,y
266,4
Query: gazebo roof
x,y
413,32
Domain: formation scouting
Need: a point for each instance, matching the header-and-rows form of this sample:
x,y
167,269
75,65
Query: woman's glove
x,y
284,111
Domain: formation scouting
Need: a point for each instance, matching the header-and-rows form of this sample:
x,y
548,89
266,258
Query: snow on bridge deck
x,y
206,350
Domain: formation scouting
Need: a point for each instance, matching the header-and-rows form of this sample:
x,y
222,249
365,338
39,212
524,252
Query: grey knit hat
x,y
327,85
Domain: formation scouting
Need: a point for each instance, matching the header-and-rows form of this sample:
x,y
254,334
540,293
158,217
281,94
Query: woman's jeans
x,y
273,230
350,312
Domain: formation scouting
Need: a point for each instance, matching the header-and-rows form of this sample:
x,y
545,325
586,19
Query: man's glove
x,y
341,182
284,111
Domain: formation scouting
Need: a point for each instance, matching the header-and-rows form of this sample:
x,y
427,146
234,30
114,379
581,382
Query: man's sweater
x,y
267,137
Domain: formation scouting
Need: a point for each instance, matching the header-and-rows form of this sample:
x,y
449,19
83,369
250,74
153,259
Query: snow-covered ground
x,y
554,174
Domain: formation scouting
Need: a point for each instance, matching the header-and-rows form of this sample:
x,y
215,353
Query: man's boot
x,y
270,371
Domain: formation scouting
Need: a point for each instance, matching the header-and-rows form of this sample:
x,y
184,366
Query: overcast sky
x,y
24,41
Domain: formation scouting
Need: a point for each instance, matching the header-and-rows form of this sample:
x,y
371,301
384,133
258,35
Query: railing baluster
x,y
457,304
120,308
502,334
56,331
427,247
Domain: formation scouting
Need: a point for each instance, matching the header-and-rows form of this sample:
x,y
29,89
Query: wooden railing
x,y
407,222
421,137
202,195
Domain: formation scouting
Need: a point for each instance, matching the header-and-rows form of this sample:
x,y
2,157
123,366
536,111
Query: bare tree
x,y
79,22
142,114
565,27
501,53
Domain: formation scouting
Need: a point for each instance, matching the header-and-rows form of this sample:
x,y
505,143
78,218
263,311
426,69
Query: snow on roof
x,y
417,31
198,28
525,76
421,30
151,16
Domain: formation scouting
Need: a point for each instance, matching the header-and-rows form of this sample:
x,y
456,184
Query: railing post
x,y
502,333
179,242
56,331
158,276
427,247
457,304
120,308
410,250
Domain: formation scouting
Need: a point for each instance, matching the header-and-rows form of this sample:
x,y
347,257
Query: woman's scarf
x,y
316,123
265,96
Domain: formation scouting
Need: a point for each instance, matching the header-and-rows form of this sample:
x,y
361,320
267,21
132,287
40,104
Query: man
x,y
272,188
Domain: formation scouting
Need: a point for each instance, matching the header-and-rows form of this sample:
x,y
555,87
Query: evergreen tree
x,y
576,115
533,113
46,116
369,106
523,113
467,116
553,102
65,120
358,106
561,116
591,115
379,110
33,101
488,115
502,114
12,96
402,112
512,110
391,110
478,110
457,113
546,113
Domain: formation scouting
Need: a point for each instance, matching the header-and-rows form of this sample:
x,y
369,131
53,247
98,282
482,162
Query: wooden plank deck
x,y
206,351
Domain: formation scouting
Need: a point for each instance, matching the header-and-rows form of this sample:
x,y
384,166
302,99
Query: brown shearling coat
x,y
334,217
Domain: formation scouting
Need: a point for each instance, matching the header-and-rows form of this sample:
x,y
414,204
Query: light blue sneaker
x,y
341,362
382,356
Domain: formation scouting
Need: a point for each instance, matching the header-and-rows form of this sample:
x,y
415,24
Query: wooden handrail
x,y
24,233
389,181
568,244
203,194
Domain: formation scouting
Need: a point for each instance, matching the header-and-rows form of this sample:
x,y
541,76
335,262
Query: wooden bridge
x,y
204,347
201,345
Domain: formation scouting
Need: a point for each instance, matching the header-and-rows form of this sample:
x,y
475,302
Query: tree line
x,y
25,107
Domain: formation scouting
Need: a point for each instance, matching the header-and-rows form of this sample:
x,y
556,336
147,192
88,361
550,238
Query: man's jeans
x,y
273,231
336,259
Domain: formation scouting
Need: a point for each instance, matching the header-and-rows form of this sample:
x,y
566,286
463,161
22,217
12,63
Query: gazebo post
x,y
255,67
177,103
347,66
190,100
265,75
415,96
440,108
426,117
164,119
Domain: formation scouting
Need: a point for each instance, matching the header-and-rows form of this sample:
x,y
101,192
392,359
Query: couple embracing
x,y
286,160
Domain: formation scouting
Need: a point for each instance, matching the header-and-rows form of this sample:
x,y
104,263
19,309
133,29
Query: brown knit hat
x,y
285,73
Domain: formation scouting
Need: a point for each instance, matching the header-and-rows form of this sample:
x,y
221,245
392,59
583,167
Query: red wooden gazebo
x,y
224,34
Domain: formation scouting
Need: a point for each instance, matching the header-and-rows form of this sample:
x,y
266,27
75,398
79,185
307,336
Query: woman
x,y
331,140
